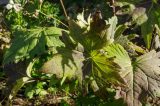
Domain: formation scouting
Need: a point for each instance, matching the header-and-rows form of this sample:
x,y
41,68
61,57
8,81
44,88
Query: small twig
x,y
113,7
64,10
53,18
3,100
150,8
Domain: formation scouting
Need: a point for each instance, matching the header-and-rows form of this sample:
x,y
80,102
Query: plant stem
x,y
150,8
64,10
53,18
113,7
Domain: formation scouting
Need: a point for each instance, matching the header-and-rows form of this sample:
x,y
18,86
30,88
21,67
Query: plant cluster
x,y
89,60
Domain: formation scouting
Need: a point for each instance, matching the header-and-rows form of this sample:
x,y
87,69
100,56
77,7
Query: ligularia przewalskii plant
x,y
90,49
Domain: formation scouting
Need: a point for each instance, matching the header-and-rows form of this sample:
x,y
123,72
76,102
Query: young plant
x,y
94,53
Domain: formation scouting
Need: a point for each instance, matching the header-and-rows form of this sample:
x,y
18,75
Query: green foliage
x,y
33,13
29,43
121,57
41,14
105,68
36,89
15,19
148,27
101,66
97,56
146,17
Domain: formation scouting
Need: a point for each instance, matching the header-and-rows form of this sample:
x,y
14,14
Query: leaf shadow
x,y
67,57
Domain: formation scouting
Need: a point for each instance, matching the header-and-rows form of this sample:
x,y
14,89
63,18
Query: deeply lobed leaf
x,y
141,77
29,43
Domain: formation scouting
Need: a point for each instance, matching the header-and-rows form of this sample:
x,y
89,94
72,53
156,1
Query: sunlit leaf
x,y
29,68
126,7
29,43
121,58
81,21
119,30
105,69
124,41
77,33
111,30
89,39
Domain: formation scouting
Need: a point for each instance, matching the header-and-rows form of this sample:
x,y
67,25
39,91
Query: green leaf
x,y
155,1
76,32
29,91
93,35
105,69
68,64
32,42
120,54
137,48
29,68
102,35
124,41
146,30
110,66
148,27
129,46
121,58
126,7
119,30
88,39
79,34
